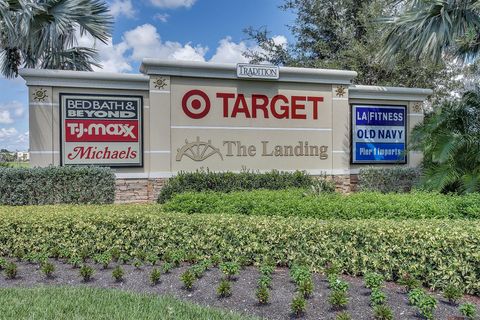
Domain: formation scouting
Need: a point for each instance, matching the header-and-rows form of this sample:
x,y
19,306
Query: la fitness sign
x,y
101,130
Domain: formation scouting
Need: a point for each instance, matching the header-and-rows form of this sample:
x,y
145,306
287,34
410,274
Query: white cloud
x,y
280,40
172,3
122,8
229,51
11,110
7,133
112,57
163,17
145,42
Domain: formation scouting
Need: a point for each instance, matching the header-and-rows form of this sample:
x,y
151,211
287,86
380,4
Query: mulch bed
x,y
243,298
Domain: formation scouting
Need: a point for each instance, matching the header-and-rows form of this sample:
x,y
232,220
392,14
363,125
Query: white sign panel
x,y
253,71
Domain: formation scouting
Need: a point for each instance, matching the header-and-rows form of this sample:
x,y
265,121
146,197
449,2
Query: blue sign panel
x,y
378,134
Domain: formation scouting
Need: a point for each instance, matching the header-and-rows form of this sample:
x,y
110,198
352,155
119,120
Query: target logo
x,y
196,104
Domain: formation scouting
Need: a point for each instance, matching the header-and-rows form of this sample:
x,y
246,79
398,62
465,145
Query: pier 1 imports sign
x,y
101,130
379,134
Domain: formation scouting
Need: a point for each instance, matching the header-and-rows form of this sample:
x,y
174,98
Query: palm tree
x,y
450,140
42,33
434,28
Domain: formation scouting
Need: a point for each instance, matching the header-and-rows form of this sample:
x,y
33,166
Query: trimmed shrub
x,y
53,185
229,181
389,247
385,180
363,205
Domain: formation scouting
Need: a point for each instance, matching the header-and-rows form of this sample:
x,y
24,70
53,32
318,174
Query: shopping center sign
x,y
101,130
378,134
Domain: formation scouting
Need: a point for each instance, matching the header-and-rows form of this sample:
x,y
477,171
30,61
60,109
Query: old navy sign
x,y
378,134
252,71
101,130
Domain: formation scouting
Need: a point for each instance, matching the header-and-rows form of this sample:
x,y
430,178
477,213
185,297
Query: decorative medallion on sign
x,y
198,150
40,95
341,91
160,83
417,107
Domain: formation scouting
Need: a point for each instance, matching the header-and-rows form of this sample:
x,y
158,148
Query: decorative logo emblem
x,y
341,91
417,107
160,83
196,104
40,95
198,150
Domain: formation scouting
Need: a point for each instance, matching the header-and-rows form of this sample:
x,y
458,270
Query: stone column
x,y
44,150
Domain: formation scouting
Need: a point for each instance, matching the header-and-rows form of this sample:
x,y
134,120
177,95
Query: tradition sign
x,y
253,71
378,134
101,130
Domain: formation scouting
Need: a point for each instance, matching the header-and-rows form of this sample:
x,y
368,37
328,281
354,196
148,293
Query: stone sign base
x,y
147,190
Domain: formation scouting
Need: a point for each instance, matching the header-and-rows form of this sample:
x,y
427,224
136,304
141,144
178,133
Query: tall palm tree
x,y
450,140
42,33
433,28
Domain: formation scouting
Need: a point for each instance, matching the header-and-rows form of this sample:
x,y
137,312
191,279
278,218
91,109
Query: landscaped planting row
x,y
437,252
338,297
299,202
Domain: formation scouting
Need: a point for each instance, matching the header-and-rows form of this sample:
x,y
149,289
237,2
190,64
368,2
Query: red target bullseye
x,y
196,104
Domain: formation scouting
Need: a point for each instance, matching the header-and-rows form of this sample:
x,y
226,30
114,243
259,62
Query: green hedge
x,y
229,181
437,251
396,179
26,186
363,205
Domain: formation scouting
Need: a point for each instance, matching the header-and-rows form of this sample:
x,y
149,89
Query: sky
x,y
202,30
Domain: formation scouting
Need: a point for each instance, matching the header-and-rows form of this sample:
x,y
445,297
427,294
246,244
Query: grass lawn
x,y
88,303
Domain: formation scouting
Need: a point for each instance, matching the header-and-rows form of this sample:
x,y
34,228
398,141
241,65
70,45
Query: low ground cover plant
x,y
48,269
386,180
468,310
188,279
296,202
52,185
224,289
453,293
229,181
10,270
230,269
86,272
370,243
298,305
382,312
155,276
118,273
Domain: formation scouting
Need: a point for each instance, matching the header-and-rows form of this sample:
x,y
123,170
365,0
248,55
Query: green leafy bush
x,y
305,288
155,276
453,293
47,268
382,312
415,296
373,280
386,180
468,310
363,205
298,305
338,299
409,281
388,247
188,279
224,289
229,181
377,297
426,306
230,269
52,185
118,273
10,270
262,294
343,316
86,272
